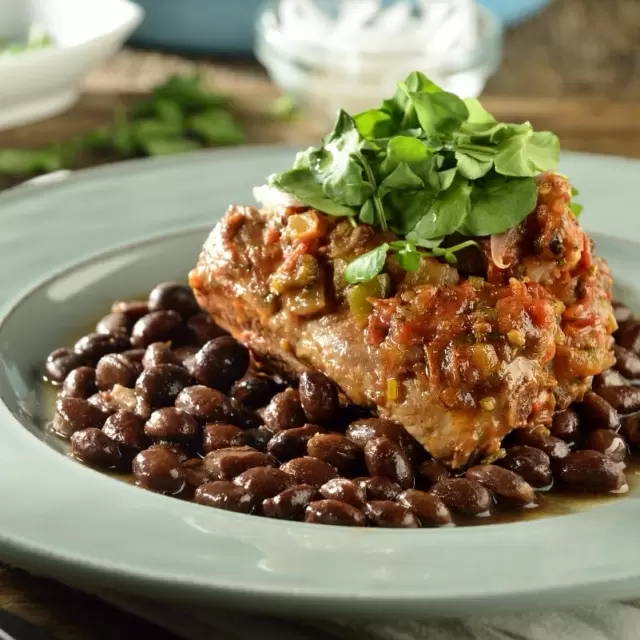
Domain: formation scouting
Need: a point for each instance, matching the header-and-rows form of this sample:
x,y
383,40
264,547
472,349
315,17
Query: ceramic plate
x,y
67,249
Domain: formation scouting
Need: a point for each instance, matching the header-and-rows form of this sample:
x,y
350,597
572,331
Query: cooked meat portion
x,y
459,362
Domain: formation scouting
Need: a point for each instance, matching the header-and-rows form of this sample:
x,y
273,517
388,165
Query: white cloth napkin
x,y
603,622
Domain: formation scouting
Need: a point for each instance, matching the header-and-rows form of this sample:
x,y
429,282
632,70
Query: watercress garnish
x,y
425,165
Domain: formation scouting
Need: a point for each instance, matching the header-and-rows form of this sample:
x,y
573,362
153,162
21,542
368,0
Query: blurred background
x,y
83,83
569,65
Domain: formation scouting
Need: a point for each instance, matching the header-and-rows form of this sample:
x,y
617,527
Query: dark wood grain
x,y
574,69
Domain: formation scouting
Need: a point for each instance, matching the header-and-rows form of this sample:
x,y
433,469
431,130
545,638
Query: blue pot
x,y
227,26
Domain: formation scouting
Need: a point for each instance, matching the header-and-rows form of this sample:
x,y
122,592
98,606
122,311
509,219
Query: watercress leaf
x,y
367,213
471,167
576,209
446,177
367,266
344,129
447,213
499,203
528,154
302,159
345,183
439,113
477,113
401,179
482,131
408,256
154,128
300,184
216,127
408,208
574,191
188,93
374,123
169,111
403,149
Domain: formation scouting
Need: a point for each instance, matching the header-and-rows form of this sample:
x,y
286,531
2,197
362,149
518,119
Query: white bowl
x,y
44,82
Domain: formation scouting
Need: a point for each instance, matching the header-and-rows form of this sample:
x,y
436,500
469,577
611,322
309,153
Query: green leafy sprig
x,y
180,115
425,165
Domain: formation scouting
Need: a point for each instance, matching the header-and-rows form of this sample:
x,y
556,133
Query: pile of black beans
x,y
160,392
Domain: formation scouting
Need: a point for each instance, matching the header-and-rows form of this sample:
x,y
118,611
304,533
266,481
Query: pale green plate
x,y
61,518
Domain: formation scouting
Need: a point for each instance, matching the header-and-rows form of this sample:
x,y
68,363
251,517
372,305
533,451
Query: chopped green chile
x,y
358,295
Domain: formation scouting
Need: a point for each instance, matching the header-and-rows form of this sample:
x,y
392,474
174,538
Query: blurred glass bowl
x,y
226,26
322,81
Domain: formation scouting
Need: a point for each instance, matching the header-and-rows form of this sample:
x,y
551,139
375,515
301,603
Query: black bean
x,y
284,411
503,483
430,511
76,414
126,429
308,470
608,378
160,385
253,391
114,368
431,472
205,405
135,355
263,482
195,472
591,471
621,312
95,345
157,326
565,425
379,488
199,329
221,436
171,296
318,396
624,400
258,438
347,415
172,425
291,503
607,442
553,447
115,322
337,451
597,413
463,495
94,448
334,512
133,309
226,464
80,383
222,494
530,463
245,418
631,430
628,336
104,402
159,469
362,431
176,449
221,362
61,362
292,443
345,491
384,457
627,362
159,353
384,513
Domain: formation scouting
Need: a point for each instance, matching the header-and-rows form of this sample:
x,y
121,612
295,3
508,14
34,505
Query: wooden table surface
x,y
574,69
